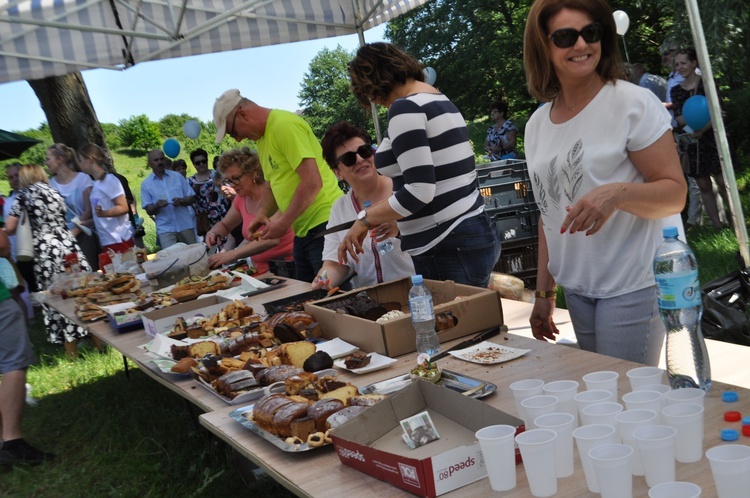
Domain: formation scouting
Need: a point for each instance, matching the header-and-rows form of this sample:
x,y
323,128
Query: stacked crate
x,y
509,201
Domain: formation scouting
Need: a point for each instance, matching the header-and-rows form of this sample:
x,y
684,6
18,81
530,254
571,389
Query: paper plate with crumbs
x,y
488,353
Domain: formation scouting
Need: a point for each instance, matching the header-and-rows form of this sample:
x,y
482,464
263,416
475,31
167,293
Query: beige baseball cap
x,y
222,108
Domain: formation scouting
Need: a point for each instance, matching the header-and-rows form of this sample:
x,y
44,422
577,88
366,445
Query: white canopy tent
x,y
41,38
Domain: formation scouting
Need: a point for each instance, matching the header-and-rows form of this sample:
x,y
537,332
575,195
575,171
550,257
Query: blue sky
x,y
269,75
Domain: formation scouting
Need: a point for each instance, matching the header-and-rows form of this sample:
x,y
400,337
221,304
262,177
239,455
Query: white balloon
x,y
430,75
191,128
622,21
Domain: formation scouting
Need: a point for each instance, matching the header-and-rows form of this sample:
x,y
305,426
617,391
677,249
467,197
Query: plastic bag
x,y
726,308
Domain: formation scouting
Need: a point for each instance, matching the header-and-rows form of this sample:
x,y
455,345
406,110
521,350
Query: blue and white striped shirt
x,y
427,153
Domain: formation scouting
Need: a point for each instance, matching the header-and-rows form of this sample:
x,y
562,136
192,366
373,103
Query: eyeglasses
x,y
235,180
349,159
201,161
234,122
567,37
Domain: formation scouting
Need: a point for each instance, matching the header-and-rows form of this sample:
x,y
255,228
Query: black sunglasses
x,y
349,159
567,37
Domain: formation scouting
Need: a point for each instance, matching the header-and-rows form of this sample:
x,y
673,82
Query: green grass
x,y
117,437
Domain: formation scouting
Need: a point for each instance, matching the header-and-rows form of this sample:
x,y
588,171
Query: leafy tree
x,y
138,132
325,95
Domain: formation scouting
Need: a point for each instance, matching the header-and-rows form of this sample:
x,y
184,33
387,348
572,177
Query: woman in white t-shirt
x,y
606,179
108,202
75,187
348,151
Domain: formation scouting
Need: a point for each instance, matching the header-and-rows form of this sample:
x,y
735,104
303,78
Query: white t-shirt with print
x,y
111,230
568,160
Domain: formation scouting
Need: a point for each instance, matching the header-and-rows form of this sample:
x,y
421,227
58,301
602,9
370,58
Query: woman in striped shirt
x,y
427,153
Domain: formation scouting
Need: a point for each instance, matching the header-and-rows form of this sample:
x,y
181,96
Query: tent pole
x,y
361,36
719,131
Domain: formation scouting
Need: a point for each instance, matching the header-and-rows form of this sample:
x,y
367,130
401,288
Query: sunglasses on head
x,y
567,37
349,159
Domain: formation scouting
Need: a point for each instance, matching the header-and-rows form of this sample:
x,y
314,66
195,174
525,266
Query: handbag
x,y
726,308
203,224
24,240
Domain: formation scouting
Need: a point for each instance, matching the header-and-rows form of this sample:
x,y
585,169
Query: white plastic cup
x,y
730,466
536,406
648,400
604,379
685,395
662,388
586,398
563,425
627,422
644,376
523,389
601,413
538,454
656,443
587,438
612,466
688,420
675,489
564,390
499,452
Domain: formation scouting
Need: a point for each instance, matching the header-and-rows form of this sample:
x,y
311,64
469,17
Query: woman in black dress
x,y
52,241
699,145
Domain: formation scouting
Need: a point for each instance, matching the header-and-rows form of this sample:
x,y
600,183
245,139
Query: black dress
x,y
703,154
52,241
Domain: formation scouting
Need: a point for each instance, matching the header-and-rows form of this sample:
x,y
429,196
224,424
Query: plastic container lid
x,y
729,435
732,416
416,279
669,232
729,396
746,430
746,421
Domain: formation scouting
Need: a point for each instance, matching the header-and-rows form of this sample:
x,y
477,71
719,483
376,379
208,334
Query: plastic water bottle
x,y
680,306
423,317
383,247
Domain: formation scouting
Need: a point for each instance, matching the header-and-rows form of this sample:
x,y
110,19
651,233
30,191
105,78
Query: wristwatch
x,y
548,294
362,216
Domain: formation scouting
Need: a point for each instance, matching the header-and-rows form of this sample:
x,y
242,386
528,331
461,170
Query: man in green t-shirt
x,y
303,186
16,355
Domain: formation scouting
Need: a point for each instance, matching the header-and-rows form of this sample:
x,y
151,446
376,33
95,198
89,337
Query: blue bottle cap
x,y
416,279
746,421
669,231
729,396
729,435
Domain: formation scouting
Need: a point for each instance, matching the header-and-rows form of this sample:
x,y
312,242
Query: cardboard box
x,y
479,309
161,320
371,442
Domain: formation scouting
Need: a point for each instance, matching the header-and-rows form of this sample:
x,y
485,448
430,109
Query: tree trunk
x,y
70,114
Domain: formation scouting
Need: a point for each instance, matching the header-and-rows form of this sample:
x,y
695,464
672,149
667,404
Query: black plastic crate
x,y
282,268
520,260
505,184
516,224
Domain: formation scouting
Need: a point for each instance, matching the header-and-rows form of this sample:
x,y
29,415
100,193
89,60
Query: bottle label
x,y
678,290
421,309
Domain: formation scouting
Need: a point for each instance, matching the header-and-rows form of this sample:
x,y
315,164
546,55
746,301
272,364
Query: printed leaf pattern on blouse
x,y
573,171
542,200
553,182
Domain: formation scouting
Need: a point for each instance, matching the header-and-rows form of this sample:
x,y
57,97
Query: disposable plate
x,y
377,362
488,353
336,348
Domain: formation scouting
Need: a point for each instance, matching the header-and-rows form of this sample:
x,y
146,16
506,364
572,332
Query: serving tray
x,y
468,386
239,416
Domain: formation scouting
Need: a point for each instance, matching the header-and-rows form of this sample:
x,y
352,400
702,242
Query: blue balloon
x,y
171,147
191,128
695,112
